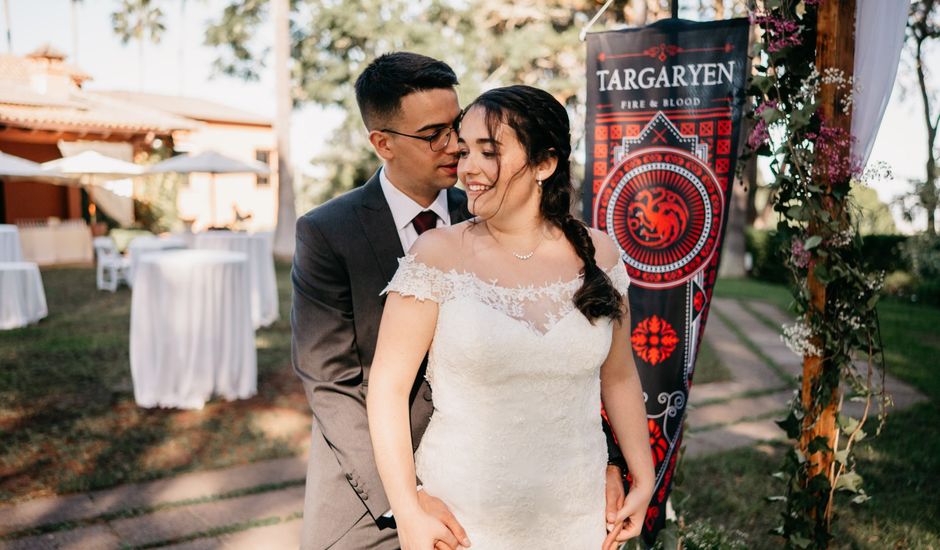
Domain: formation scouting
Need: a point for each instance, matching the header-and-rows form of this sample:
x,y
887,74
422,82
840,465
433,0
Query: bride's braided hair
x,y
541,125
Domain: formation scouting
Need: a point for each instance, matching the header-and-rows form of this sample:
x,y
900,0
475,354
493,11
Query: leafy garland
x,y
813,172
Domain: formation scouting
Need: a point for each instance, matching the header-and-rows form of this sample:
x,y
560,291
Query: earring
x,y
538,181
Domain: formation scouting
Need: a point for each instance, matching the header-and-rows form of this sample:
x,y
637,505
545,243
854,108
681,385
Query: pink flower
x,y
832,146
781,32
769,104
759,135
799,256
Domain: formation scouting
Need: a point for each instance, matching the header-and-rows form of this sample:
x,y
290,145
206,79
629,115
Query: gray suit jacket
x,y
347,251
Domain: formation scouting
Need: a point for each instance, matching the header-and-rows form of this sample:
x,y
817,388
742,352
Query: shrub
x,y
881,253
899,283
884,252
923,256
767,262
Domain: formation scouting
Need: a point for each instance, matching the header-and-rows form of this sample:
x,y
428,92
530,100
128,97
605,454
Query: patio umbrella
x,y
16,167
208,162
92,168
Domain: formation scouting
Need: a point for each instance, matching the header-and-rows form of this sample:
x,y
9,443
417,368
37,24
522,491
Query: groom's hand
x,y
614,493
628,521
436,507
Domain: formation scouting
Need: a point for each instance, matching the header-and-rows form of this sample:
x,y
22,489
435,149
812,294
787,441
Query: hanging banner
x,y
663,119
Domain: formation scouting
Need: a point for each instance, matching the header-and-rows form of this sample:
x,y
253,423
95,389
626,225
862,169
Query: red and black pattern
x,y
660,164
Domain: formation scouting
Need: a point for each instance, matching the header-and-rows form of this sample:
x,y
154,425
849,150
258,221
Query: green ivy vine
x,y
812,171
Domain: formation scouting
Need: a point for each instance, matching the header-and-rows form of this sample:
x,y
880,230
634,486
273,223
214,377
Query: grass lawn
x,y
900,466
68,421
708,366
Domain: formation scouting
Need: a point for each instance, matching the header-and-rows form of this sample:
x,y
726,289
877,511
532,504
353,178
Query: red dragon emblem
x,y
658,217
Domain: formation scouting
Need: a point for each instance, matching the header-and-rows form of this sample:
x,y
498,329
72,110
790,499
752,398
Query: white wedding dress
x,y
515,446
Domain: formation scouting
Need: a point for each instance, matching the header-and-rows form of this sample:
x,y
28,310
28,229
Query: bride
x,y
523,313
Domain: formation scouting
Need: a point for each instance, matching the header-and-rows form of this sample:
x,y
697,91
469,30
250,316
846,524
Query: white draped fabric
x,y
146,244
258,248
22,296
191,333
879,37
119,208
68,242
10,250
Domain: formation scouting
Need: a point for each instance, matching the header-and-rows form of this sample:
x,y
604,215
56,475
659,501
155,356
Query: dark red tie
x,y
424,221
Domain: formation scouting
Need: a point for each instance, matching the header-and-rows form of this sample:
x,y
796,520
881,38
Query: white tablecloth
x,y
258,248
22,296
141,246
191,333
65,243
10,250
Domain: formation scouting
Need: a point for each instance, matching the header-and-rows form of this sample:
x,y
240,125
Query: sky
x,y
113,66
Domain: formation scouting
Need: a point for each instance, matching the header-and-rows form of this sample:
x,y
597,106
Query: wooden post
x,y
835,48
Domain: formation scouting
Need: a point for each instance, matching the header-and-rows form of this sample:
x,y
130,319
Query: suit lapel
x,y
379,227
457,205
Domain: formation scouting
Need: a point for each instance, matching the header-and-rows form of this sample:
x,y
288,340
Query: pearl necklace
x,y
518,256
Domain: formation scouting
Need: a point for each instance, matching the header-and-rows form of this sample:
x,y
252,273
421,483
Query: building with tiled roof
x,y
191,108
45,111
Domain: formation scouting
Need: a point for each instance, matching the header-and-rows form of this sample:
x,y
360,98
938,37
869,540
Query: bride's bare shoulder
x,y
440,247
606,251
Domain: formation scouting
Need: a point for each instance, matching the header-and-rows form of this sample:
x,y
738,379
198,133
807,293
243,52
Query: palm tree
x,y
6,17
75,5
286,213
137,20
181,60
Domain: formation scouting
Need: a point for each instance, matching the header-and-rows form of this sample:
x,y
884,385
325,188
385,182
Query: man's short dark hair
x,y
382,85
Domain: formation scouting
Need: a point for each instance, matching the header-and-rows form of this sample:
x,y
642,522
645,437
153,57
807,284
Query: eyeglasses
x,y
437,141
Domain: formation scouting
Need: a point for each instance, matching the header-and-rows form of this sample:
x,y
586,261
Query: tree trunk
x,y
140,64
928,192
735,247
719,7
181,59
6,18
286,214
74,13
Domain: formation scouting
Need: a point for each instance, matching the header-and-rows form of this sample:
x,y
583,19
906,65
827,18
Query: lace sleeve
x,y
419,280
618,276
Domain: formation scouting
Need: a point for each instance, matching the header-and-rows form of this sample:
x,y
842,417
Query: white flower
x,y
798,338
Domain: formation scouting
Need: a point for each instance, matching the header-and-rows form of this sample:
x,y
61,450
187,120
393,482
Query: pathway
x,y
260,505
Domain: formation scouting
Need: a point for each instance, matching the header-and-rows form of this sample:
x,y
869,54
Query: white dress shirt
x,y
404,209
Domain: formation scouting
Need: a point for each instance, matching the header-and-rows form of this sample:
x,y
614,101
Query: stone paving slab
x,y
771,312
902,394
731,437
253,507
721,392
180,522
736,410
210,543
94,537
746,368
158,526
283,535
200,484
45,510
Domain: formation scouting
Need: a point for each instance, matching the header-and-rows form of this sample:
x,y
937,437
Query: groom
x,y
347,250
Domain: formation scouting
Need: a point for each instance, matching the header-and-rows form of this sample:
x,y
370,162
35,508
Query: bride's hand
x,y
421,531
629,520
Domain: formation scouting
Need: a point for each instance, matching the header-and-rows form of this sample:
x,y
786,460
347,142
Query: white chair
x,y
112,267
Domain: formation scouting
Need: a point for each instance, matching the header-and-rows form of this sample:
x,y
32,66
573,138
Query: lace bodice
x,y
539,307
515,445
